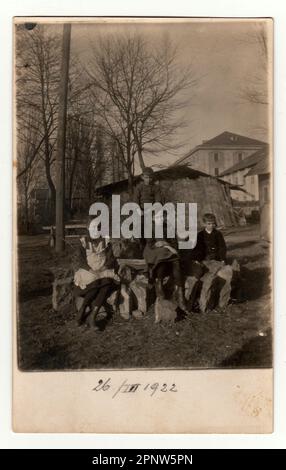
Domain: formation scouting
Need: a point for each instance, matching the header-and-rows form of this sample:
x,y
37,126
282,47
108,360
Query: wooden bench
x,y
68,227
136,264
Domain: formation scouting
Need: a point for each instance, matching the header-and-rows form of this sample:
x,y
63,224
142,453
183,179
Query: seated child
x,y
96,283
208,259
163,260
210,242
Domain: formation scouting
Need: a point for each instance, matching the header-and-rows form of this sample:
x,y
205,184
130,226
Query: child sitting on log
x,y
210,242
94,285
162,261
161,258
209,266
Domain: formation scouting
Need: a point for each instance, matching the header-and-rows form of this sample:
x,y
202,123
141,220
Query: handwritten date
x,y
130,388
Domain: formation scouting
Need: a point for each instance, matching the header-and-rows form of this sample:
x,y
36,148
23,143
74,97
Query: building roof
x,y
262,167
230,139
225,139
180,171
249,162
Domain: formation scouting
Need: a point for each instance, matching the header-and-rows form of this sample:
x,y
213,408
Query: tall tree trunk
x,y
48,157
61,140
130,184
129,170
52,188
140,156
72,178
139,150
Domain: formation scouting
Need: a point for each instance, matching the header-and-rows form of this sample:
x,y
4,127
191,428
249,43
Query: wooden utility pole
x,y
61,141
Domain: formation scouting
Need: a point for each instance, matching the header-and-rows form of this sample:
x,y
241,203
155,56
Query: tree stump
x,y
62,292
144,296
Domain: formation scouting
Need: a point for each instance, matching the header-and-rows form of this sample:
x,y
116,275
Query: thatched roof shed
x,y
184,184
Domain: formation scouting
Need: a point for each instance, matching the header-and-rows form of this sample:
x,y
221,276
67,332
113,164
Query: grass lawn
x,y
240,337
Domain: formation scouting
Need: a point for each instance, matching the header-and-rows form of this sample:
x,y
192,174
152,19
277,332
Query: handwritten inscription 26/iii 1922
x,y
130,388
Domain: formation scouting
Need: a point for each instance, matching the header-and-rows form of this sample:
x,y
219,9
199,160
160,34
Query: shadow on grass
x,y
52,358
255,282
29,295
245,259
257,352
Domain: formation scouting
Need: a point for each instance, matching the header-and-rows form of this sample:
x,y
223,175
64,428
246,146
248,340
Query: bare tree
x,y
37,85
255,90
28,169
138,92
85,158
38,73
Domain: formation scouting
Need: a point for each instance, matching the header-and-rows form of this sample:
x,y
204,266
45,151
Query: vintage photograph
x,y
143,193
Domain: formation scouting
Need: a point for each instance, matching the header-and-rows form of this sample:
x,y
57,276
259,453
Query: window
x,y
216,157
252,180
240,155
216,171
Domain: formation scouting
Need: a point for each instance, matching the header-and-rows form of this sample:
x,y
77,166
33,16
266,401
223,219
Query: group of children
x,y
204,265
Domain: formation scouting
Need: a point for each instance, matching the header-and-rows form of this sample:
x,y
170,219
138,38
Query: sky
x,y
224,57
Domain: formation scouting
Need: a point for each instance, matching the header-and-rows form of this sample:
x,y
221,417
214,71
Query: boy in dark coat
x,y
210,242
208,265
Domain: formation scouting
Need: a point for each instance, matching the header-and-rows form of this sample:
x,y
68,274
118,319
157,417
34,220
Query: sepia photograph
x,y
143,194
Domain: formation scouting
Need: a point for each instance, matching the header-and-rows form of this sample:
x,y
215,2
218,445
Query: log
x,y
62,292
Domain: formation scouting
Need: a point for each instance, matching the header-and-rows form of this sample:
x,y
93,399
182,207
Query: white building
x,y
227,155
238,174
